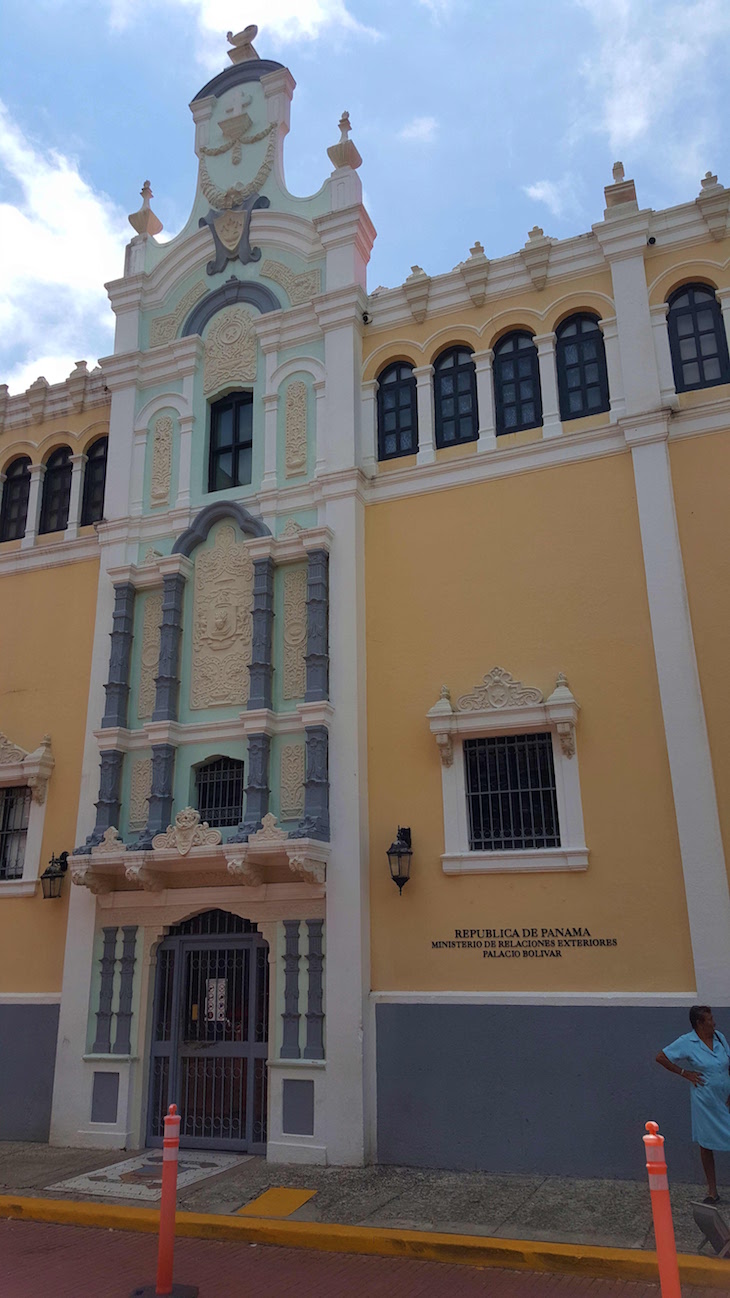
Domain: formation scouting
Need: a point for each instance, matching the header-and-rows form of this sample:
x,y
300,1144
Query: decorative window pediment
x,y
19,767
21,835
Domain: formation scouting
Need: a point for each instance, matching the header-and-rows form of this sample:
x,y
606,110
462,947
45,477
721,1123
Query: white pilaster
x,y
184,462
340,318
663,354
33,517
690,764
136,483
723,297
369,428
623,239
320,421
609,329
551,425
485,400
271,416
426,420
74,505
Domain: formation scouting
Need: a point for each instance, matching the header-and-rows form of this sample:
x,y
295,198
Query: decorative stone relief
x,y
140,873
269,834
295,429
151,555
230,350
34,769
298,288
242,870
139,792
161,460
165,327
499,690
10,752
188,831
149,658
292,781
222,623
110,841
84,876
443,738
306,867
291,529
295,633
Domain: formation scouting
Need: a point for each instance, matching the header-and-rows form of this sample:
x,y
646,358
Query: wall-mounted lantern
x,y
399,858
52,877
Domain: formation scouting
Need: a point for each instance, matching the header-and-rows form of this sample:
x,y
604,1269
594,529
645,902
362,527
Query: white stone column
x,y
485,400
369,428
136,483
320,419
426,421
609,329
668,392
185,462
551,425
271,420
33,517
723,297
688,749
74,504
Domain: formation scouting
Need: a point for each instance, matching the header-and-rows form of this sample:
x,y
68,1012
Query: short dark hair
x,y
698,1012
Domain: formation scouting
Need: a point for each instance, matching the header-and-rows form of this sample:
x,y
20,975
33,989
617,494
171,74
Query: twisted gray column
x,y
122,634
257,788
159,812
261,668
316,820
167,681
102,1040
109,803
290,1017
314,1048
123,1035
317,655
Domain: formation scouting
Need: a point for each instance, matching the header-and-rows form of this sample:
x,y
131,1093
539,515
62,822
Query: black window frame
x,y
237,401
676,339
14,507
514,807
565,390
15,804
441,372
213,795
56,497
92,503
402,383
502,359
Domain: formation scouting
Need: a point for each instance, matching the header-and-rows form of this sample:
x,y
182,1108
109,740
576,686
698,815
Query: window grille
x,y
231,441
15,500
92,508
14,811
510,793
397,412
581,363
455,396
56,491
697,339
219,787
211,923
517,384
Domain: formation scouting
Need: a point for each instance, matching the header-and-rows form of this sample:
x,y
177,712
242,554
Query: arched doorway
x,y
210,1034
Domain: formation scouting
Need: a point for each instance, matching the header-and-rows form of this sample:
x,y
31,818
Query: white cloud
x,y
422,130
558,196
287,20
59,242
437,8
647,63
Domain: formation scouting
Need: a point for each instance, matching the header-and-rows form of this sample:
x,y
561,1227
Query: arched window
x,y
697,338
517,383
231,440
455,395
56,491
397,414
15,499
92,508
219,789
581,362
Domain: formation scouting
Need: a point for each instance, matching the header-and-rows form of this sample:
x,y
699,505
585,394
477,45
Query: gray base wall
x,y
552,1090
27,1064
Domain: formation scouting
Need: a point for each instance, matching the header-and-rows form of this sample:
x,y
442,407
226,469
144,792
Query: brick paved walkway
x,y
77,1262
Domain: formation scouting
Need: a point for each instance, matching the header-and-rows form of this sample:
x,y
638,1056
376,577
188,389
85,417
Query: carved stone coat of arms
x,y
222,623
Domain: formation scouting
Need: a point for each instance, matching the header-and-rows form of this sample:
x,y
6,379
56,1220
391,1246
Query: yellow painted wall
x,y
38,441
45,659
701,472
537,573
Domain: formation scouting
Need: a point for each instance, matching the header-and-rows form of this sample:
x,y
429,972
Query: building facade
x,y
451,557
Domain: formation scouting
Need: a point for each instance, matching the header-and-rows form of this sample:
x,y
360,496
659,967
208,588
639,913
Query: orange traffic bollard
x,y
661,1211
166,1247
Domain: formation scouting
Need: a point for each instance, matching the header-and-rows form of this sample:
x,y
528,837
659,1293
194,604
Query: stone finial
x,y
344,153
618,172
713,201
77,381
621,191
243,50
144,221
475,272
36,397
536,232
535,256
416,288
477,250
710,182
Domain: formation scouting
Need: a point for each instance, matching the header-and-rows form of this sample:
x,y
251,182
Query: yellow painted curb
x,y
468,1250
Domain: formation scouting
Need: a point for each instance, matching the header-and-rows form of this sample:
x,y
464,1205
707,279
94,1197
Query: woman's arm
x,y
695,1078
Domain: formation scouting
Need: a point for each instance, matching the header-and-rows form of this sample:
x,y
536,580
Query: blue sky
x,y
476,119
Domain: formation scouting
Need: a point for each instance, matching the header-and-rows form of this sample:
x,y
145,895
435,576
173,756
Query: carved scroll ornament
x,y
187,832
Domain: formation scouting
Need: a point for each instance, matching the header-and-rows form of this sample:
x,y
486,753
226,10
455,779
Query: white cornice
x,y
175,360
48,556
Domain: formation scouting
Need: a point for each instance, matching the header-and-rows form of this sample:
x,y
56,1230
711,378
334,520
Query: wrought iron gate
x,y
210,1034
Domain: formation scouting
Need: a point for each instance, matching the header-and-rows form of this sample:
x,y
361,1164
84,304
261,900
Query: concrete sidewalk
x,y
601,1213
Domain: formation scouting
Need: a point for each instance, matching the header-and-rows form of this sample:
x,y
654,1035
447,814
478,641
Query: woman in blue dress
x,y
702,1056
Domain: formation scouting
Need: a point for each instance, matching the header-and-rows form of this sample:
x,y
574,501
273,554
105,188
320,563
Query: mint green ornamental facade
x,y
217,951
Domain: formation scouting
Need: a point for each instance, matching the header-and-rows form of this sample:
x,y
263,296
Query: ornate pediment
x,y
498,689
20,767
188,831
